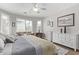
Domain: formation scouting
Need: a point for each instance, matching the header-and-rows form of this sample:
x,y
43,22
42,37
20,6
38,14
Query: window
x,y
5,24
23,25
39,26
28,26
20,25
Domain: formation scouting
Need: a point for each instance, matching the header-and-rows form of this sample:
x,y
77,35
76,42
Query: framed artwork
x,y
66,20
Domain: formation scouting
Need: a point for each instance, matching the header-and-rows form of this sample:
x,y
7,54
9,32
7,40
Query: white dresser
x,y
66,39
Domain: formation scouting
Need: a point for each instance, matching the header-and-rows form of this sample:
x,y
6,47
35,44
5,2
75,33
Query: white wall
x,y
55,29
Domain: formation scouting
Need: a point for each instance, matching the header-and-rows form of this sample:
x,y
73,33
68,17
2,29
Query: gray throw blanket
x,y
22,47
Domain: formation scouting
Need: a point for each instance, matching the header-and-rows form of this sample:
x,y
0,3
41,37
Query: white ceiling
x,y
20,8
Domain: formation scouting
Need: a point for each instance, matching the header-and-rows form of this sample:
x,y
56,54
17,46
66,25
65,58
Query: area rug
x,y
61,51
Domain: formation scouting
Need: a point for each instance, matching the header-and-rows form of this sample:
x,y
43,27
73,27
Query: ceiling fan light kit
x,y
35,9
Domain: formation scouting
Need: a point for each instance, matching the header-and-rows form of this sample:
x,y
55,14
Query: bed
x,y
29,45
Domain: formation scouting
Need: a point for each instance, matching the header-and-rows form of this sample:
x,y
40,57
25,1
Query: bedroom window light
x,y
39,25
28,26
5,24
20,25
23,25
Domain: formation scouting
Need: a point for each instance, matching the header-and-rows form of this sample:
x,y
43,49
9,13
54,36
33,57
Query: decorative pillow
x,y
1,44
13,37
9,39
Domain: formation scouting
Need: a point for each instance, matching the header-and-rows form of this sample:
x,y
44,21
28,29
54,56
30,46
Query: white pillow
x,y
2,36
12,37
1,44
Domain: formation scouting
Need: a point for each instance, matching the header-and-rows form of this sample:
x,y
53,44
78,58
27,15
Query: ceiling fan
x,y
37,8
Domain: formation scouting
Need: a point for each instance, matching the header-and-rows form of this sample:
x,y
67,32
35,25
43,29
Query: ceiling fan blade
x,y
43,8
35,5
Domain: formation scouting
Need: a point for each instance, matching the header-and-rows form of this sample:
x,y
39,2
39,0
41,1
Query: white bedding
x,y
7,50
37,47
41,46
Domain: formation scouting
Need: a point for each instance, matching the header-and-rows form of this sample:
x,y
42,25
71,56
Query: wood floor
x,y
70,51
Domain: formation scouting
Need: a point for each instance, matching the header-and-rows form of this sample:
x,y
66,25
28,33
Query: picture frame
x,y
66,20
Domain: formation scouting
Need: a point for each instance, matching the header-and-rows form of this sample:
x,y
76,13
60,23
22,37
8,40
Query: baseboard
x,y
63,45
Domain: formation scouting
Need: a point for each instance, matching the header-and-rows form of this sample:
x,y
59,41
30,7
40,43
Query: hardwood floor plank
x,y
70,51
